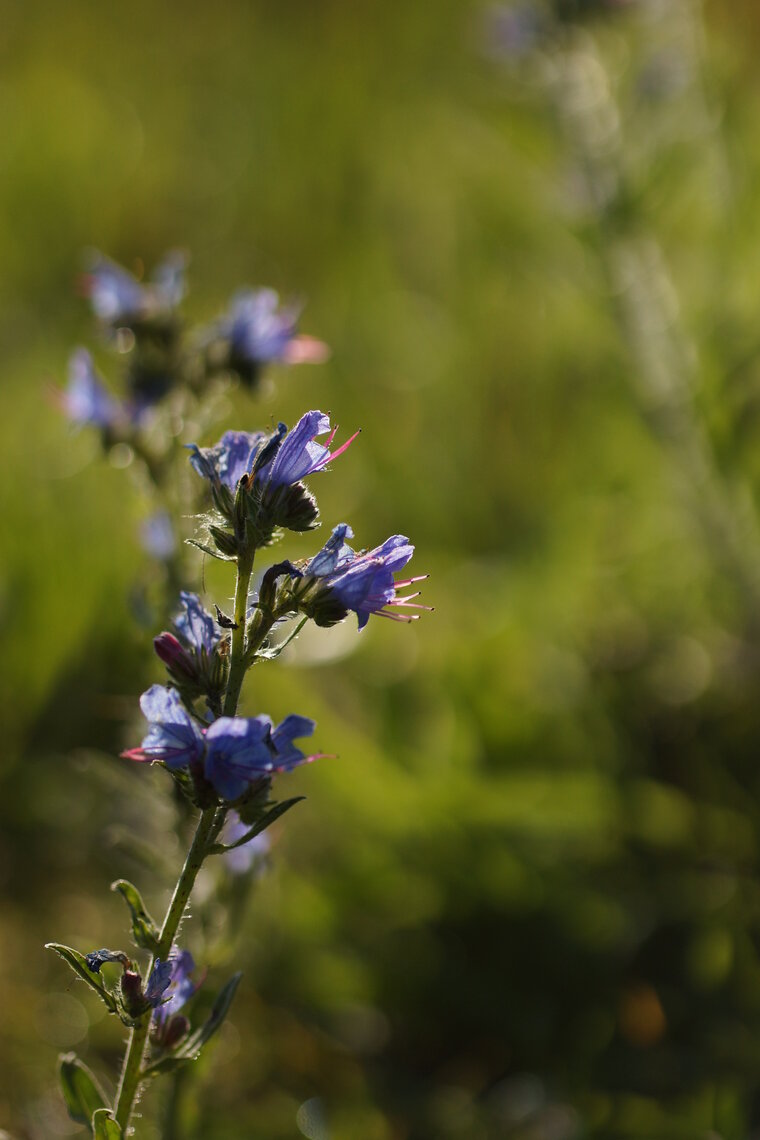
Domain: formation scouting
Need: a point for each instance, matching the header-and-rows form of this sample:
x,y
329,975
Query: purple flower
x,y
85,400
157,536
228,460
170,985
260,332
300,455
115,295
240,750
251,854
173,736
195,625
191,657
296,454
235,750
363,582
158,982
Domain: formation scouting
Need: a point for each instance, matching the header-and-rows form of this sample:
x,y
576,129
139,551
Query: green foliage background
x,y
524,899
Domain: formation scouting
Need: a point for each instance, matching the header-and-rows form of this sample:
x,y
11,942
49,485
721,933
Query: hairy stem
x,y
208,828
237,653
131,1072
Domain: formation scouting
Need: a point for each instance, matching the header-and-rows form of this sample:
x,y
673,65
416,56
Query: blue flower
x,y
158,982
260,332
362,582
299,454
243,749
235,750
157,536
85,400
195,625
229,459
173,985
173,736
117,296
294,454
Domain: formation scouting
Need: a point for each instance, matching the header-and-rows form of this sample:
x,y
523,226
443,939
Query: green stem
x,y
238,661
131,1072
208,828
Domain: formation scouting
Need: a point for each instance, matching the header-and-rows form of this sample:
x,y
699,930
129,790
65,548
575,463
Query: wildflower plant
x,y
229,769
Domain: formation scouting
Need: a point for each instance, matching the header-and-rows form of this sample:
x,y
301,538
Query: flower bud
x,y
271,592
132,993
176,658
224,541
293,507
174,1031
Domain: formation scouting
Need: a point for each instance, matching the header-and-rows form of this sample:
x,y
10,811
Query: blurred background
x,y
524,901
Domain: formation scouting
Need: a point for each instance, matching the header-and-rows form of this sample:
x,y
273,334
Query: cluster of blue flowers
x,y
232,752
143,318
254,485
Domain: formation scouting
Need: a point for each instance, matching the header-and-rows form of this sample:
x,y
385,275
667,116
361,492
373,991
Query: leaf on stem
x,y
144,930
104,1127
209,550
78,964
82,1093
190,1048
266,820
272,652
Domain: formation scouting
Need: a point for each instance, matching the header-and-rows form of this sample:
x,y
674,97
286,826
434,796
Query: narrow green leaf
x,y
190,1048
272,652
104,1127
208,550
261,824
144,930
82,1093
77,962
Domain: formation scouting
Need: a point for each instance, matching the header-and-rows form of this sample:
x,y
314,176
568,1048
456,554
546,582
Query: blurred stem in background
x,y
666,362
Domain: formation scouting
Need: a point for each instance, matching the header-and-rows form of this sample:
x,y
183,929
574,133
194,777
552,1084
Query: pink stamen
x,y
136,754
410,581
397,617
343,447
309,760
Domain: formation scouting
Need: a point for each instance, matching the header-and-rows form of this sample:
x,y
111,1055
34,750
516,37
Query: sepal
x,y
81,1092
144,930
223,499
273,593
293,507
190,1048
78,964
225,541
104,1127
